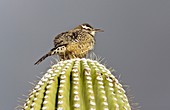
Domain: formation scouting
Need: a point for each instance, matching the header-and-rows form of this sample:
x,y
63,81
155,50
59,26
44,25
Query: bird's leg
x,y
64,56
74,56
71,55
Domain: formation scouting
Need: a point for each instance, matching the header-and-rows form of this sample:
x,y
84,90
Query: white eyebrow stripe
x,y
85,27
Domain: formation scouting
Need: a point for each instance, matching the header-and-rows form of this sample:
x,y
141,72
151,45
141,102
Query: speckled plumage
x,y
75,43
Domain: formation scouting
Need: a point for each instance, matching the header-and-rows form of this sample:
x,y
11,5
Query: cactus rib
x,y
78,84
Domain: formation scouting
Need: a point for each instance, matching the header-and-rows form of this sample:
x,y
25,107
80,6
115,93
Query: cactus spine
x,y
77,84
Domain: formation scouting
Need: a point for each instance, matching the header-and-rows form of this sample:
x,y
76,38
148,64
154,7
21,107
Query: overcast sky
x,y
136,42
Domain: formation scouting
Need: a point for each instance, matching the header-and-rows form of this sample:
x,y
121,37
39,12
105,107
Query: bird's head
x,y
88,28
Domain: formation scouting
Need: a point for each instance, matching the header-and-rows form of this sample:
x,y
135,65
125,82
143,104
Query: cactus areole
x,y
77,84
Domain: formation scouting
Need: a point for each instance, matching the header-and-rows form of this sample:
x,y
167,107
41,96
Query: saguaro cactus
x,y
77,84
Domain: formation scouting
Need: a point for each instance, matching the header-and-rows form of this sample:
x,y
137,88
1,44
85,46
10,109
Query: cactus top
x,y
80,84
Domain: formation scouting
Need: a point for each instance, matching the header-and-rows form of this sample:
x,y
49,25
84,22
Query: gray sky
x,y
136,42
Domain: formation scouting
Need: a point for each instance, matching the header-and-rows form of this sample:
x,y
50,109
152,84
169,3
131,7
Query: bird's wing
x,y
60,39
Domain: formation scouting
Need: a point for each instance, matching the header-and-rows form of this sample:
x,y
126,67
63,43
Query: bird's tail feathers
x,y
44,57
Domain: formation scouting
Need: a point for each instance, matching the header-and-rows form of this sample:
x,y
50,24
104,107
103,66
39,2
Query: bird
x,y
74,43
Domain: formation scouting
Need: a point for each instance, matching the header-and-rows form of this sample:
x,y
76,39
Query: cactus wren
x,y
75,43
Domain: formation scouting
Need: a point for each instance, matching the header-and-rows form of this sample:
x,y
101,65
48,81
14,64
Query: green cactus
x,y
77,84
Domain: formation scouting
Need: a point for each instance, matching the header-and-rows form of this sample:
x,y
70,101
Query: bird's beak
x,y
98,30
